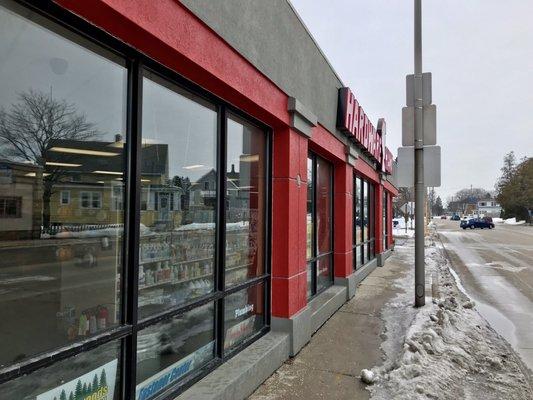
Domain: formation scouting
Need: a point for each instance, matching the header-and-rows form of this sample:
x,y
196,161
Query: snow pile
x,y
444,350
400,223
368,377
230,226
513,221
497,220
89,233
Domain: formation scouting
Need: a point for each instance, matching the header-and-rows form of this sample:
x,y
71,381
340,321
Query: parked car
x,y
476,223
455,217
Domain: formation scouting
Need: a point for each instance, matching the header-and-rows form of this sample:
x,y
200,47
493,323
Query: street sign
x,y
406,166
408,208
430,125
425,80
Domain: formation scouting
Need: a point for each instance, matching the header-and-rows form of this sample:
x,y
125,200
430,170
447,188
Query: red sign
x,y
352,120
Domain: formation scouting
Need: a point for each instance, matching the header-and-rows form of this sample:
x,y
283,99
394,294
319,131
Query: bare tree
x,y
31,125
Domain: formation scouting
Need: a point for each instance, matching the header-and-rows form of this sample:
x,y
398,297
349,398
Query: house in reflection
x,y
202,198
20,201
88,184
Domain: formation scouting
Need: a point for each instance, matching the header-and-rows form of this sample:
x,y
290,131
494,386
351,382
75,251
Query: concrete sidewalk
x,y
330,365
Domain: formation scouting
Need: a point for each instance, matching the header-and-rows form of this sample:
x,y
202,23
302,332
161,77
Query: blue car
x,y
476,223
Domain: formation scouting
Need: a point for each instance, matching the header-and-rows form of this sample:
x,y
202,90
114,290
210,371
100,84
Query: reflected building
x,y
20,201
87,185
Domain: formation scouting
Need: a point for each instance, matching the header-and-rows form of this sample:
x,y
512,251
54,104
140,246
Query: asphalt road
x,y
495,268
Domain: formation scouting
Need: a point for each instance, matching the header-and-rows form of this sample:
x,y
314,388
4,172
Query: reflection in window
x,y
319,206
62,131
371,222
384,215
92,373
364,209
310,212
244,315
177,232
245,201
169,351
324,173
357,223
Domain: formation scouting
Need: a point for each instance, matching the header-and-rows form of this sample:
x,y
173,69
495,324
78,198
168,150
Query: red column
x,y
378,213
343,220
289,210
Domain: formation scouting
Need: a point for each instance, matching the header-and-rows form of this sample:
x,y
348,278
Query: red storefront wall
x,y
201,56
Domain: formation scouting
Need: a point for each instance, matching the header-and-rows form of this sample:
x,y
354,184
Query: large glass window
x,y
245,201
320,224
62,132
177,232
370,247
364,221
385,216
190,218
180,205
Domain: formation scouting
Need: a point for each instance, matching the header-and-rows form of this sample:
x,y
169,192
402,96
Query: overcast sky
x,y
480,53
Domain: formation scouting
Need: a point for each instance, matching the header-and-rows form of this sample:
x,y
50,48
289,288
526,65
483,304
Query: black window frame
x,y
136,63
367,246
315,257
385,218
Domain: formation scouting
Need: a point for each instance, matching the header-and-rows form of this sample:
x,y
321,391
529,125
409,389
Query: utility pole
x,y
420,290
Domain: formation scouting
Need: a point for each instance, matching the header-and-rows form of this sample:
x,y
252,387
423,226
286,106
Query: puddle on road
x,y
501,324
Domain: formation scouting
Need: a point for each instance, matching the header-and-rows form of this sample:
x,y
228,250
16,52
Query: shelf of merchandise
x,y
182,281
155,260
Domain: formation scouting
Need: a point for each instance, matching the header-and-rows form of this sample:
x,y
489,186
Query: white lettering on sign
x,y
353,121
245,310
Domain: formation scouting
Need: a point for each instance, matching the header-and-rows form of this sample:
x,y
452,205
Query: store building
x,y
186,196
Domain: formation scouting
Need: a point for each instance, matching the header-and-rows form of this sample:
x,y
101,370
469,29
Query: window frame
x,y
61,203
90,198
136,63
385,219
315,256
18,207
367,246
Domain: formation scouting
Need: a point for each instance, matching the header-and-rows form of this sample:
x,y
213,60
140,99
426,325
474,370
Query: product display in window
x,y
164,266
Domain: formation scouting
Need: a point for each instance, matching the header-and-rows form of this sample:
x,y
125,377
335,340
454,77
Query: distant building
x,y
488,208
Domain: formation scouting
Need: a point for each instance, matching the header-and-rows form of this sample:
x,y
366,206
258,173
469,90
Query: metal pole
x,y
420,290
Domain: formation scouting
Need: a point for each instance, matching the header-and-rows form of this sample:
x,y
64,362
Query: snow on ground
x,y
401,223
513,221
444,350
